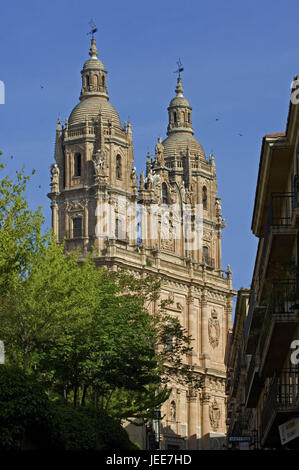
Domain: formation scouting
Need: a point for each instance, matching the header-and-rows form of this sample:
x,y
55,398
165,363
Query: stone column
x,y
54,208
204,326
205,422
192,420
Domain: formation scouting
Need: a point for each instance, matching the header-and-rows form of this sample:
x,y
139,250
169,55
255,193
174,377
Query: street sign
x,y
239,439
289,430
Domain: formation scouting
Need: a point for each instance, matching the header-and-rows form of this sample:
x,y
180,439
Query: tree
x,y
85,332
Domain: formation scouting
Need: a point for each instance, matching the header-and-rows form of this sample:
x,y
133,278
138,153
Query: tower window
x,y
174,117
87,81
164,194
189,117
119,232
77,165
103,81
118,167
77,227
204,197
205,254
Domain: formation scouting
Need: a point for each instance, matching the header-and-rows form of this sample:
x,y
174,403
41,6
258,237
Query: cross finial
x,y
180,68
93,28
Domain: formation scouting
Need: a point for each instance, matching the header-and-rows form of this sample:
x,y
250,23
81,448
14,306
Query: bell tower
x,y
94,157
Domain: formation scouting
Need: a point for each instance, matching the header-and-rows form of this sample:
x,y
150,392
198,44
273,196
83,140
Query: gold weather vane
x,y
93,28
180,68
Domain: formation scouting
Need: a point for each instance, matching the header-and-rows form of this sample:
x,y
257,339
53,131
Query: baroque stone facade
x,y
94,175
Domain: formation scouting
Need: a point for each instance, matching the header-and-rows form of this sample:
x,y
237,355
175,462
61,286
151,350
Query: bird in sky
x,y
11,156
241,135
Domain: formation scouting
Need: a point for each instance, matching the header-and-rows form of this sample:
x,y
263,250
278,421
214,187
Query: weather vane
x,y
180,68
93,28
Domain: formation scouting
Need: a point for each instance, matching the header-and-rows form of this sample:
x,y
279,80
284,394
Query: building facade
x,y
97,201
271,332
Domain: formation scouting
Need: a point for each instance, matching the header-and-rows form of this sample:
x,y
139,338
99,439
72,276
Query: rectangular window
x,y
77,227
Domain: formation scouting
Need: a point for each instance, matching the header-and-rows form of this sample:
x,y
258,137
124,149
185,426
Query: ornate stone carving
x,y
100,165
75,206
215,414
214,331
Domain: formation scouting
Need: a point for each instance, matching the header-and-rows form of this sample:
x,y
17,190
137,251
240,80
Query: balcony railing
x,y
283,397
280,217
279,314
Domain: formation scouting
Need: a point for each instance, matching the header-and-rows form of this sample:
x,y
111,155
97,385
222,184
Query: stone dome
x,y
90,108
179,101
179,141
94,64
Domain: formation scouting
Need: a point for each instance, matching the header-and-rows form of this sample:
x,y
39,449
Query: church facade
x,y
169,223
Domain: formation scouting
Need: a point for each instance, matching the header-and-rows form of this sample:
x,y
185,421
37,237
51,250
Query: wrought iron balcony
x,y
281,403
278,327
279,219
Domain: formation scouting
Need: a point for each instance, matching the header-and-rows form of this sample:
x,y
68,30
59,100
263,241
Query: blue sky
x,y
239,58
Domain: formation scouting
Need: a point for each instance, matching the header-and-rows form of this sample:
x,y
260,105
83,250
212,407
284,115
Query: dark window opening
x,y
206,254
174,117
164,193
118,167
77,227
77,162
204,197
119,231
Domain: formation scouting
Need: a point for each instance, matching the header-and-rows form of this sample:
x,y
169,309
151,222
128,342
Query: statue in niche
x,y
172,411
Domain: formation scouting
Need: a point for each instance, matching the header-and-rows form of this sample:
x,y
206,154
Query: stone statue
x,y
99,163
215,414
159,153
172,411
134,176
54,177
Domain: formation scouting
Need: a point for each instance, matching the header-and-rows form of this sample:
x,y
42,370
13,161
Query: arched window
x,y
77,227
103,80
175,117
77,165
87,81
204,197
164,193
118,167
189,117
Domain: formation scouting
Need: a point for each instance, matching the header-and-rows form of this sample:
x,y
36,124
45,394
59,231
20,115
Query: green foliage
x,y
86,333
28,418
24,407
